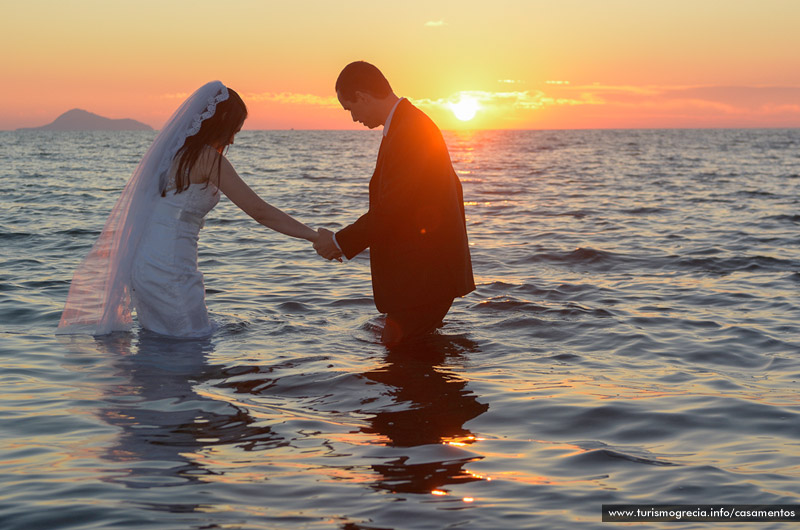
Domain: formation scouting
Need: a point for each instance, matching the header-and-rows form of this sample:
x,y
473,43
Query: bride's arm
x,y
232,185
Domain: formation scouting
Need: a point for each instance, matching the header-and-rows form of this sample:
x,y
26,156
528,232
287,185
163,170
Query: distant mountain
x,y
81,120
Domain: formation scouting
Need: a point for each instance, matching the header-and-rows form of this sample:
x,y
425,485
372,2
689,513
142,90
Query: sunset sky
x,y
519,64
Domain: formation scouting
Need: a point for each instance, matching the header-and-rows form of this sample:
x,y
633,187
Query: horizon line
x,y
678,128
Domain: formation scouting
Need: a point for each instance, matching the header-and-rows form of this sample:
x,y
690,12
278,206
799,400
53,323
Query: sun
x,y
465,109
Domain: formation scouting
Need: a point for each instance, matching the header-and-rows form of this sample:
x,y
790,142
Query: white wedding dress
x,y
167,288
146,255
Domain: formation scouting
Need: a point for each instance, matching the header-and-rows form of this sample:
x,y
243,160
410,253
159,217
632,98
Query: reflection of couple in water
x,y
146,256
164,420
436,405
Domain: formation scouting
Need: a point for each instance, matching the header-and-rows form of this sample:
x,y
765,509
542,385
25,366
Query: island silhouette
x,y
82,120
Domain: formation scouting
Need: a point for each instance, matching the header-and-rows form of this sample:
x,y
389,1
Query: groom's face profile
x,y
364,109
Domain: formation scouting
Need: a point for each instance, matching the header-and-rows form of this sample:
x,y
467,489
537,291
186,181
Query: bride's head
x,y
217,131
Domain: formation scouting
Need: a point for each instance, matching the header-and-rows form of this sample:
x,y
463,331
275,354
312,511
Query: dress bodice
x,y
191,205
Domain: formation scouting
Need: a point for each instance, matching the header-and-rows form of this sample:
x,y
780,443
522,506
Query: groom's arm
x,y
356,238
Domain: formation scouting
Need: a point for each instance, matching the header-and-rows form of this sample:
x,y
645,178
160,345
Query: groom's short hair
x,y
363,77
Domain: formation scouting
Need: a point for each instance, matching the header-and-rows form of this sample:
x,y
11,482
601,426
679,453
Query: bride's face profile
x,y
221,128
223,144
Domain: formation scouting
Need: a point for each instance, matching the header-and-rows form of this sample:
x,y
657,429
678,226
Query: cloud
x,y
294,98
435,23
511,100
781,109
681,106
288,98
596,105
727,99
177,95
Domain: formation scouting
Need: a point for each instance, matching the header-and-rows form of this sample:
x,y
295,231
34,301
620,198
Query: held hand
x,y
325,246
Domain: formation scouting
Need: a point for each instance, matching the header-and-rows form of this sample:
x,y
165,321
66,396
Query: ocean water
x,y
634,338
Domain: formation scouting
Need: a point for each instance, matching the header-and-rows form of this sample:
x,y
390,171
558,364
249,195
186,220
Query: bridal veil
x,y
99,299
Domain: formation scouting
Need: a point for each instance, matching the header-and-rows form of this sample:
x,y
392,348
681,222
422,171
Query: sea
x,y
634,338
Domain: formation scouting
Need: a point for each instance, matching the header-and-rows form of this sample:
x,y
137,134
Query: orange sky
x,y
528,64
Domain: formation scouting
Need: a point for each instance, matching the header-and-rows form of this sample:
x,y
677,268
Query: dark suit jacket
x,y
415,227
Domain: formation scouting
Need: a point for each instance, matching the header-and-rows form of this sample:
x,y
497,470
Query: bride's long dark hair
x,y
218,130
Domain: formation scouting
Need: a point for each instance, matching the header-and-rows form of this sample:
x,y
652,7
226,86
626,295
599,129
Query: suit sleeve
x,y
355,238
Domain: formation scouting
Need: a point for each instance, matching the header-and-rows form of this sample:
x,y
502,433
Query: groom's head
x,y
364,91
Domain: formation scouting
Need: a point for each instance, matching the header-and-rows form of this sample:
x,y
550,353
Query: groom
x,y
415,226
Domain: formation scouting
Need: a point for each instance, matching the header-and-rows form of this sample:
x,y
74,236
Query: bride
x,y
146,256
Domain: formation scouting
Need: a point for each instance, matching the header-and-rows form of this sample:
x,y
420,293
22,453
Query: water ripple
x,y
633,338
